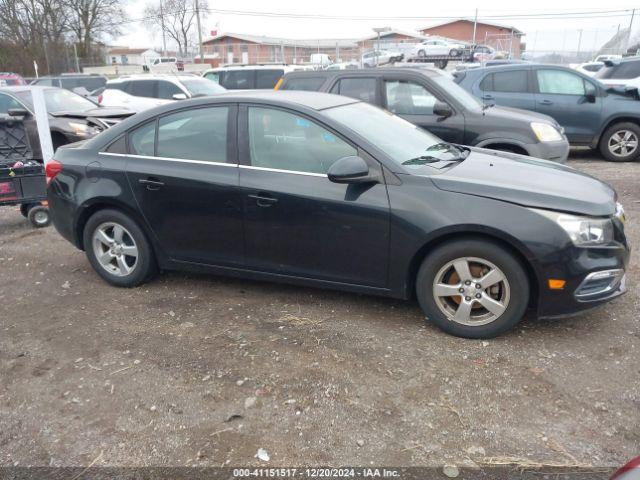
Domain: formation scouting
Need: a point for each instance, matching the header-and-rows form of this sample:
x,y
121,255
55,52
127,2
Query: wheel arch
x,y
609,123
498,238
509,145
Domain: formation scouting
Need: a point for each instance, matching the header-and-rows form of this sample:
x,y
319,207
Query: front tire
x,y
422,53
621,142
118,249
454,52
472,289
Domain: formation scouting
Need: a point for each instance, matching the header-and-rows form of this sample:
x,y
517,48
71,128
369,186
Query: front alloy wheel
x,y
623,143
471,291
620,142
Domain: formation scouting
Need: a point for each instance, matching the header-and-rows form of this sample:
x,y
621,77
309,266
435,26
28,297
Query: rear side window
x,y
268,78
142,140
621,70
143,88
198,134
238,79
360,88
306,84
514,81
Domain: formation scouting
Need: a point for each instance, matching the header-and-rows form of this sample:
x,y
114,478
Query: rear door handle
x,y
487,97
546,102
263,199
151,184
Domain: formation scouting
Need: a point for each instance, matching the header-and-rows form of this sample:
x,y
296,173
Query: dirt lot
x,y
198,370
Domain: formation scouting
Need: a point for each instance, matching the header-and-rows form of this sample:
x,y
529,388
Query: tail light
x,y
52,169
100,99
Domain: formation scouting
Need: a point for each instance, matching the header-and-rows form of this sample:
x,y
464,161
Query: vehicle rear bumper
x,y
62,213
554,151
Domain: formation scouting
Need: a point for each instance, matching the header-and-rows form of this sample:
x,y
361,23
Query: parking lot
x,y
203,370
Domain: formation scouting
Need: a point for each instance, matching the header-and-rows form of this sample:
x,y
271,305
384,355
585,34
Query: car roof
x,y
312,100
26,88
179,78
365,72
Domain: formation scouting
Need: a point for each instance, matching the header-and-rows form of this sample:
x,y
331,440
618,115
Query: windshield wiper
x,y
422,160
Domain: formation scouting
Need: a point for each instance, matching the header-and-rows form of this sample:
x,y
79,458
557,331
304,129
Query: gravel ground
x,y
202,370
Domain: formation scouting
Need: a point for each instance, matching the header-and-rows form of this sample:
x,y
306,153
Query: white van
x,y
250,77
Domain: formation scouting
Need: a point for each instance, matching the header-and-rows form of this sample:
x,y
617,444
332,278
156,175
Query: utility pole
x,y
579,44
75,55
164,37
199,31
633,13
475,26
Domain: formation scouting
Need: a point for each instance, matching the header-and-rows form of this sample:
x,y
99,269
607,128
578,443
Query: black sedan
x,y
71,117
323,190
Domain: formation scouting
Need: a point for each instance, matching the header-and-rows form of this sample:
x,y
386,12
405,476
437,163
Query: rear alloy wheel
x,y
621,142
118,249
422,53
472,289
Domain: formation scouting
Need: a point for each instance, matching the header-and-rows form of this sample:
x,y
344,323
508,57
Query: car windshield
x,y
59,100
406,144
201,86
467,100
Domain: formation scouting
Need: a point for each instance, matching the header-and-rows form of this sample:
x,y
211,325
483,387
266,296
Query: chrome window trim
x,y
169,159
278,170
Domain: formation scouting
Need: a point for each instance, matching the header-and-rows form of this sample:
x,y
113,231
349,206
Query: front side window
x,y
198,134
285,141
142,139
306,84
560,82
268,78
166,90
7,103
213,76
408,98
360,88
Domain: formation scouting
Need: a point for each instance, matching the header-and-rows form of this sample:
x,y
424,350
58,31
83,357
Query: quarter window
x,y
286,141
408,98
198,134
560,82
142,140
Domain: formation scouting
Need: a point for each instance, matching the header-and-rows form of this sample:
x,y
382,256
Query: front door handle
x,y
546,102
151,183
263,199
487,97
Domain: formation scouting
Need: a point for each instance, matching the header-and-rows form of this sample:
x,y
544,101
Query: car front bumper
x,y
554,151
593,276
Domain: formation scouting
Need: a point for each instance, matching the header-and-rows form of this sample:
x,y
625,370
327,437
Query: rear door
x,y
297,222
563,95
183,171
414,100
509,88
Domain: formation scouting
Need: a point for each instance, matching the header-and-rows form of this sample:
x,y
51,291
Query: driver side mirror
x,y
441,109
591,92
18,112
350,170
179,96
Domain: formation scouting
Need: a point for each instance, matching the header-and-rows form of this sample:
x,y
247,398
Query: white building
x,y
131,56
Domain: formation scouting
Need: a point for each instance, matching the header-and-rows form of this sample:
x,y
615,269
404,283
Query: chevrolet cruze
x,y
323,190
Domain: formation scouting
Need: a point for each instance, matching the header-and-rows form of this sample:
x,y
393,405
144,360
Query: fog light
x,y
599,283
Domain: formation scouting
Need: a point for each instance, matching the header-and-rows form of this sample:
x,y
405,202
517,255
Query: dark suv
x,y
430,99
590,113
89,82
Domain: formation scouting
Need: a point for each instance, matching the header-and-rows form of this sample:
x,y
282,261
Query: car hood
x,y
517,114
98,112
528,181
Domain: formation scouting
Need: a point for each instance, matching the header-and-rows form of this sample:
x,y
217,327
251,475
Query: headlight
x,y
83,129
620,215
546,132
583,231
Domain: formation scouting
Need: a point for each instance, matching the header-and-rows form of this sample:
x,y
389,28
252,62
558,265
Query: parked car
x,y
429,98
85,81
623,72
438,47
112,97
249,77
603,58
10,79
590,114
482,53
590,68
376,58
71,117
343,66
324,190
157,87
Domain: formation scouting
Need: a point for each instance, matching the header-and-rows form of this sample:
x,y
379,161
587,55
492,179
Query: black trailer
x,y
22,178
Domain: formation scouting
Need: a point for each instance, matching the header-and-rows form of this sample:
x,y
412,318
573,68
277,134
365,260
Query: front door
x,y
414,102
297,222
563,96
183,172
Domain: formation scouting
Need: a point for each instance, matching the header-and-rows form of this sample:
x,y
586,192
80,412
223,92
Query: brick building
x,y
501,37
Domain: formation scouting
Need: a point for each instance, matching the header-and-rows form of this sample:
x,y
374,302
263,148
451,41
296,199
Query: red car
x,y
8,79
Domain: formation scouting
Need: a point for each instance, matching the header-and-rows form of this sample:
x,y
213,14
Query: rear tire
x,y
455,302
454,52
621,142
422,53
118,249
